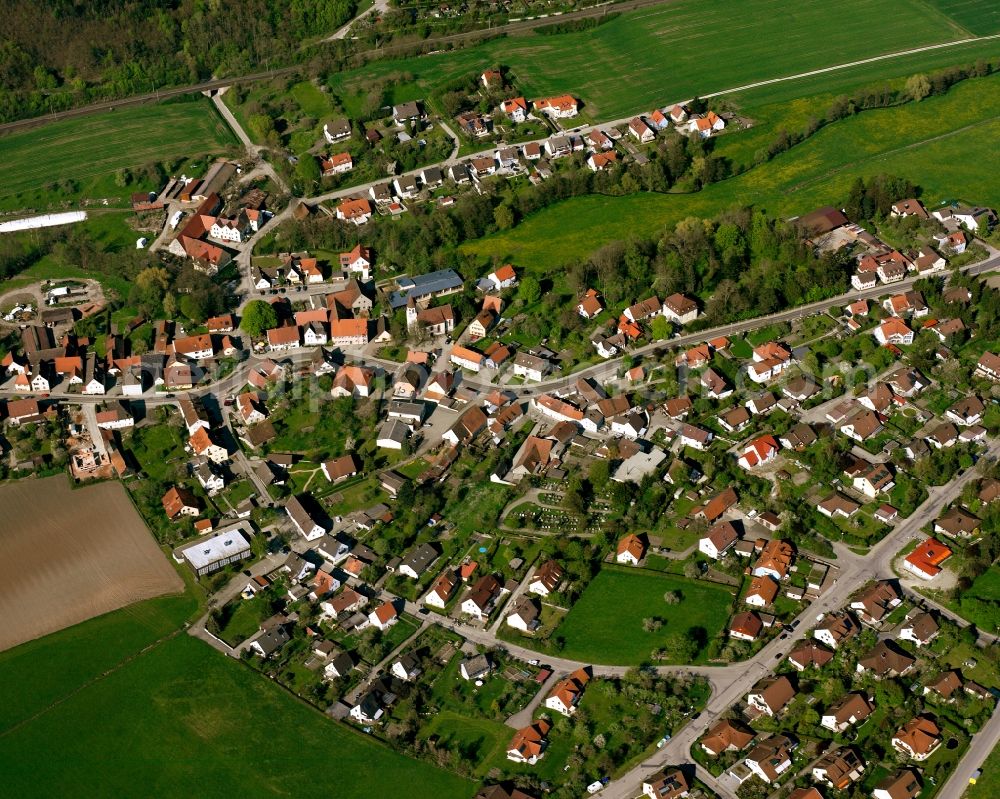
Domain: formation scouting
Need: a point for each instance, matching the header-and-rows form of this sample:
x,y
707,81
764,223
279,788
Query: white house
x,y
718,540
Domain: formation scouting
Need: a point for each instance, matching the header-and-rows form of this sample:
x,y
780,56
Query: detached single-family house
x,y
718,540
566,694
546,579
771,758
835,628
529,743
918,739
771,696
630,550
903,784
665,784
849,710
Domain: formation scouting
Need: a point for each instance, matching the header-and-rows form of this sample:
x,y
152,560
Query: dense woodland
x,y
55,54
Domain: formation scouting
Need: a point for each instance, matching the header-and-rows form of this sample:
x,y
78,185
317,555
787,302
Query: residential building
x,y
529,743
903,784
631,550
885,660
925,561
918,739
771,758
546,579
809,654
179,501
727,736
567,693
839,769
303,519
771,695
876,601
745,626
849,710
665,784
775,559
718,540
919,627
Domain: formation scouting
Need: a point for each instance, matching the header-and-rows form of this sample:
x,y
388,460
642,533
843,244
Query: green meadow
x,y
606,623
37,164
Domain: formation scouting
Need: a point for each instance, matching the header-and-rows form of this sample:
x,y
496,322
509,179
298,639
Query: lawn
x,y
910,140
156,446
980,604
241,618
988,785
606,623
662,51
480,740
311,100
87,152
181,720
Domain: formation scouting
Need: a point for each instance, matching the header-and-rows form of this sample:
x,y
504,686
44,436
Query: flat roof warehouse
x,y
215,551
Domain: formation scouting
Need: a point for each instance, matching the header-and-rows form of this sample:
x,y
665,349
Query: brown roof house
x,y
875,602
849,710
179,501
771,758
903,784
839,769
885,660
630,550
809,654
771,696
666,784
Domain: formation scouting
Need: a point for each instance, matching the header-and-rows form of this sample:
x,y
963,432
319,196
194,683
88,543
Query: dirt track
x,y
67,556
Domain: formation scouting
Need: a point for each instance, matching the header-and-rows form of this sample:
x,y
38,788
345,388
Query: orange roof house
x,y
630,549
925,561
775,559
566,694
528,743
591,305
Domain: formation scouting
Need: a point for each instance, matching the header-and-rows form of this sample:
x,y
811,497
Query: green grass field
x,y
672,52
38,673
89,151
913,140
605,624
176,719
975,16
979,603
988,785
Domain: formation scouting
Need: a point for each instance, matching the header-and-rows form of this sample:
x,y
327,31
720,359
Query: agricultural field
x,y
912,140
977,17
180,719
73,159
607,620
662,51
45,671
67,556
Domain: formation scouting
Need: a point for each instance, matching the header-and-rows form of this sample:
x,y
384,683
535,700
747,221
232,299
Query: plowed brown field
x,y
67,556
